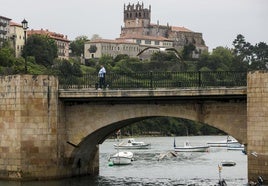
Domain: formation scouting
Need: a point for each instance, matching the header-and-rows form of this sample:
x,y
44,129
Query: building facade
x,y
16,37
137,20
61,40
139,31
124,45
4,29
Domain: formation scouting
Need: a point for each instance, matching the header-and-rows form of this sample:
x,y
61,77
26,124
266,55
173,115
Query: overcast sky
x,y
220,21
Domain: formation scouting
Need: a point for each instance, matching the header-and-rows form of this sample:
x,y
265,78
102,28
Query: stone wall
x,y
28,123
257,125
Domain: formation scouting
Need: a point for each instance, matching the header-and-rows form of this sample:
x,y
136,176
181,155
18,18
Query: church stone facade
x,y
139,32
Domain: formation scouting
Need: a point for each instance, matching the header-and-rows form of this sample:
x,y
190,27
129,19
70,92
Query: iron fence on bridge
x,y
153,80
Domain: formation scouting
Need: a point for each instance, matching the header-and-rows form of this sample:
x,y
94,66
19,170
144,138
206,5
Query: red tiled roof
x,y
5,18
53,35
15,24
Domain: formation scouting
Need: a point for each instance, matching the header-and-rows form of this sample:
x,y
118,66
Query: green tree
x,y
95,37
255,57
77,46
6,57
220,59
188,51
43,48
259,57
242,49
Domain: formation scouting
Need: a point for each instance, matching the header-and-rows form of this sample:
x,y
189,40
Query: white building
x,y
130,45
16,37
4,29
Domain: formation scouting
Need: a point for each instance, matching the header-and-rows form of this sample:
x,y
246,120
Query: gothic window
x,y
139,14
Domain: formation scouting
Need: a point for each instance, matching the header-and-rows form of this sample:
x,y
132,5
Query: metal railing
x,y
153,80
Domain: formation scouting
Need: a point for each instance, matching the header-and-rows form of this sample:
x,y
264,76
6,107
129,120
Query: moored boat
x,y
121,158
189,148
223,143
132,144
228,163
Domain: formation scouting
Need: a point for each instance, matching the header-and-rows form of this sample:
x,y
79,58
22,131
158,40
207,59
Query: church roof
x,y
137,36
180,29
110,41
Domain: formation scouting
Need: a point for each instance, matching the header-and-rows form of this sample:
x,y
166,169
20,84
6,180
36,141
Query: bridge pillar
x,y
30,134
257,125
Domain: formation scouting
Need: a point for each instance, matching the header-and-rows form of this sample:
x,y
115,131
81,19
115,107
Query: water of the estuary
x,y
191,168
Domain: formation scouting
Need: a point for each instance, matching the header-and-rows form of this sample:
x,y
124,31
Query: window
x,y
147,42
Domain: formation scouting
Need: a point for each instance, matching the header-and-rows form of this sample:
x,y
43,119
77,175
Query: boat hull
x,y
228,163
120,160
237,146
132,144
192,149
220,144
223,143
147,146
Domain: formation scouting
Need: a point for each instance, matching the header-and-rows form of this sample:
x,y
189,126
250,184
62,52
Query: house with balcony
x,y
4,29
61,40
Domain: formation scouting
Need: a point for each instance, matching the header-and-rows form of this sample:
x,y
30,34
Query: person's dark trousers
x,y
102,82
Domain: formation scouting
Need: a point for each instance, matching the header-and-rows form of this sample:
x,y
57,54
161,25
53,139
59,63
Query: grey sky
x,y
220,21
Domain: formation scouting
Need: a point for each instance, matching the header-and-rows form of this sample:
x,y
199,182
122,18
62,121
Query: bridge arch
x,y
89,124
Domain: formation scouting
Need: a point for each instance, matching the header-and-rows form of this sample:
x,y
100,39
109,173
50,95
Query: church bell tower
x,y
137,15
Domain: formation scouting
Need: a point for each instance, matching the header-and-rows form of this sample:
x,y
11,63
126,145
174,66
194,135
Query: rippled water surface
x,y
192,168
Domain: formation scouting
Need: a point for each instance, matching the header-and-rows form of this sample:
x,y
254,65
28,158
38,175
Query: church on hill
x,y
139,33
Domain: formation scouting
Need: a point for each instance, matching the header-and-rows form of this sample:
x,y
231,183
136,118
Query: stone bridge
x,y
47,132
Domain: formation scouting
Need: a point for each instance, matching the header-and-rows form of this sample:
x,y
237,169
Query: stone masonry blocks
x,y
257,124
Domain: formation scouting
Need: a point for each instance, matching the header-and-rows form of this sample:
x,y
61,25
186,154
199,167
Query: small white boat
x,y
121,158
223,143
189,148
132,144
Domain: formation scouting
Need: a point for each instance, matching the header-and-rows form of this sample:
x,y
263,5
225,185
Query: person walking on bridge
x,y
102,73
